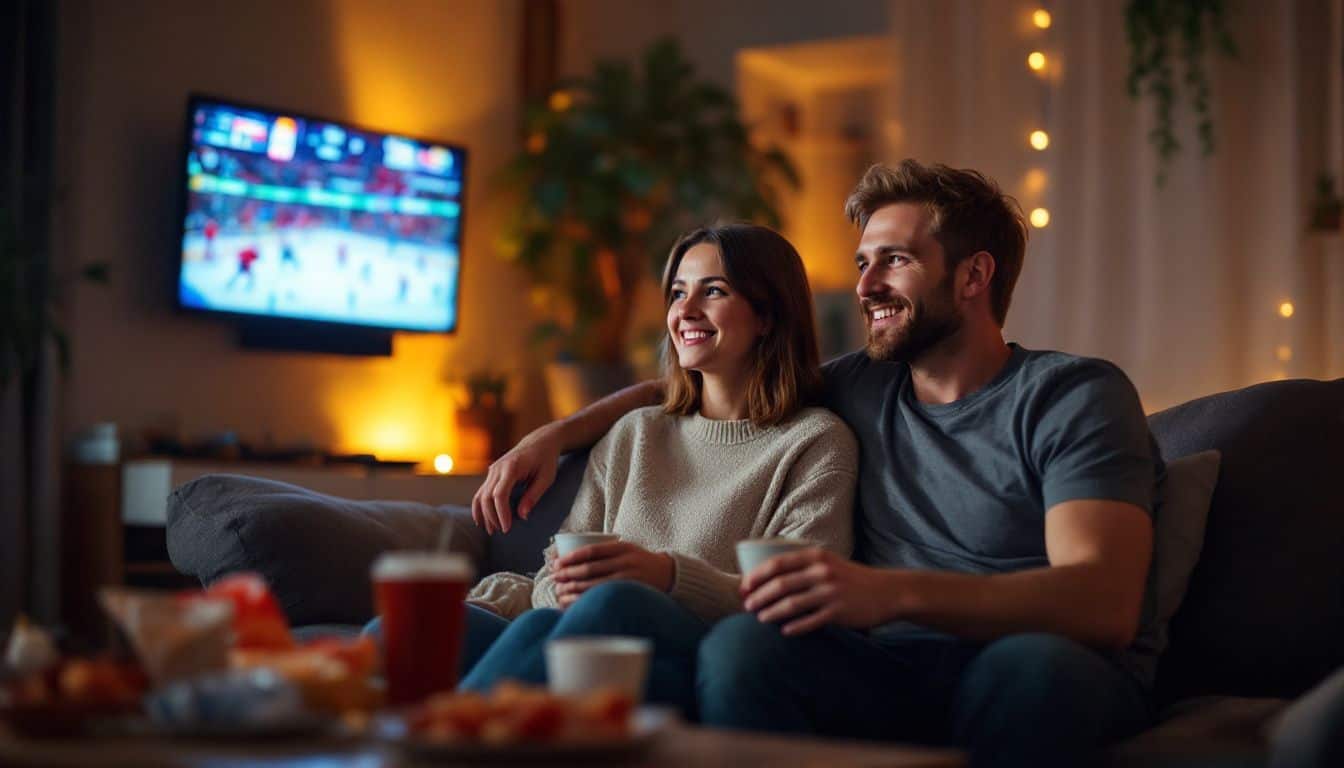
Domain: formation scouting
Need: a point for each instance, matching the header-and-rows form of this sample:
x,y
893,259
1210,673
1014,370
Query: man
x,y
1004,529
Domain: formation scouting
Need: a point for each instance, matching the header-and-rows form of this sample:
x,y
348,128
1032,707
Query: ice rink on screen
x,y
385,283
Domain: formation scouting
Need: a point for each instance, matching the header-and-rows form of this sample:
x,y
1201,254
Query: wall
x,y
425,67
711,31
1180,285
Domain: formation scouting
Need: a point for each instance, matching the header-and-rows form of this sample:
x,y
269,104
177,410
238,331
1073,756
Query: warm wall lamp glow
x,y
1286,309
1036,60
561,100
443,463
1040,217
1041,18
1040,139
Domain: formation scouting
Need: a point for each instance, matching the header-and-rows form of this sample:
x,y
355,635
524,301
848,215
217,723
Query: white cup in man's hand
x,y
565,543
753,552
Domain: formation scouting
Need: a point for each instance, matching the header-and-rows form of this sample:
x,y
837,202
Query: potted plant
x,y
484,425
28,301
614,166
1327,210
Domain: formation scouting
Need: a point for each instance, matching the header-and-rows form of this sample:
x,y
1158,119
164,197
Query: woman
x,y
732,454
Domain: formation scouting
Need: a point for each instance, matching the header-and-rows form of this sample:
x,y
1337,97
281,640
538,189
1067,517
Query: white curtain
x,y
1180,285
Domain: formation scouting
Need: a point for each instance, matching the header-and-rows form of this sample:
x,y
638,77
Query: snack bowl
x,y
518,724
71,698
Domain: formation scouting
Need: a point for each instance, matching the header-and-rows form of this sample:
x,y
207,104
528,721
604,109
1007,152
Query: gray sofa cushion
x,y
1310,733
1264,612
314,550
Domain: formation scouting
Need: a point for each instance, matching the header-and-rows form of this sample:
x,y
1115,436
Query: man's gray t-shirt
x,y
965,486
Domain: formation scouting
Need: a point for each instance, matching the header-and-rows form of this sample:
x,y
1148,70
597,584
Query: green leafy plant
x,y
615,165
1160,30
27,308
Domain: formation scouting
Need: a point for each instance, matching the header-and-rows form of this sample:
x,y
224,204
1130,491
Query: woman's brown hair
x,y
764,269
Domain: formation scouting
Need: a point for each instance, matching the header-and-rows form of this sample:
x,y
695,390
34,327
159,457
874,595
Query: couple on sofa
x,y
1001,532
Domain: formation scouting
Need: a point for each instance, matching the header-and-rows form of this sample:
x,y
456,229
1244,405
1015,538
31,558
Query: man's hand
x,y
586,567
532,461
811,588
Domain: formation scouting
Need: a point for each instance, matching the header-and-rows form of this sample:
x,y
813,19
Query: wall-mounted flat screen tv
x,y
293,217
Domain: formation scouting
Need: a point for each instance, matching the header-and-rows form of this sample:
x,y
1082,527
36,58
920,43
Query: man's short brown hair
x,y
970,214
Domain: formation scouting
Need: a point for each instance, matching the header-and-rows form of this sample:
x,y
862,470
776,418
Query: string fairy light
x,y
1039,139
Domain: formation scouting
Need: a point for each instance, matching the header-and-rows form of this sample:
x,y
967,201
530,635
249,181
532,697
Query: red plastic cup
x,y
421,598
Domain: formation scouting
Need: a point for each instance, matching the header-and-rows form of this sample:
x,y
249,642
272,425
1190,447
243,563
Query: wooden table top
x,y
679,745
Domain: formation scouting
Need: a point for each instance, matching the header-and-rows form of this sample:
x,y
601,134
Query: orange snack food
x,y
60,700
332,674
515,714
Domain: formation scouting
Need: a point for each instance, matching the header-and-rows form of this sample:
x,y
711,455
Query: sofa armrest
x,y
315,551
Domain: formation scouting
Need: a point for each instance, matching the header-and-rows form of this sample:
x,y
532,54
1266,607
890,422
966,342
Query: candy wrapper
x,y
258,622
174,638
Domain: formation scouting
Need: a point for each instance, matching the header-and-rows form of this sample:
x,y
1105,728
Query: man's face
x,y
904,289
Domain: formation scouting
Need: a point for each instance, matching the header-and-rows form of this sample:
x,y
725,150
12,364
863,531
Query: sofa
x,y
1252,648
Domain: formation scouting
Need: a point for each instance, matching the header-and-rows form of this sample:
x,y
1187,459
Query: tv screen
x,y
288,216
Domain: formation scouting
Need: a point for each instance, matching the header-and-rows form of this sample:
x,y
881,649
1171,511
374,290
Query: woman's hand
x,y
586,567
533,461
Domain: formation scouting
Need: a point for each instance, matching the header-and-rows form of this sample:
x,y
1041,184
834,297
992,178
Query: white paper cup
x,y
753,552
577,665
566,543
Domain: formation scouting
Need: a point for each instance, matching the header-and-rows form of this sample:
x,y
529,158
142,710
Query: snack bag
x,y
173,638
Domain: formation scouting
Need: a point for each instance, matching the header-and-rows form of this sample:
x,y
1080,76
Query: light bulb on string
x,y
1039,139
1040,218
1036,61
1041,18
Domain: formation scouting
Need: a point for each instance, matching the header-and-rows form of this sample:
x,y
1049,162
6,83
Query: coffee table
x,y
679,745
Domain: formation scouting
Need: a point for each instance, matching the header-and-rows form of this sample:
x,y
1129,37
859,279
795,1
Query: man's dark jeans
x,y
1024,700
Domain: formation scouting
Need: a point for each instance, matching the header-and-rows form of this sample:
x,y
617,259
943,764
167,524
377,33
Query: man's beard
x,y
926,325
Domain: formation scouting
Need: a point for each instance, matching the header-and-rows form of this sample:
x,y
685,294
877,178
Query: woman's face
x,y
713,328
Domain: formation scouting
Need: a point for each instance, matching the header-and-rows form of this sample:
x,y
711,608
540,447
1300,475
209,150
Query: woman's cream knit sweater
x,y
692,487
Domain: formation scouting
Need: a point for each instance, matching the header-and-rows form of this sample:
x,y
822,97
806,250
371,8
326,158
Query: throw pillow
x,y
1180,515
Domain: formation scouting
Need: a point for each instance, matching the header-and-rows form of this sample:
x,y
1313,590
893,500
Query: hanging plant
x,y
1159,31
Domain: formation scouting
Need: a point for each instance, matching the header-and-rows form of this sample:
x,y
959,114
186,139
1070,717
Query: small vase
x,y
484,434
